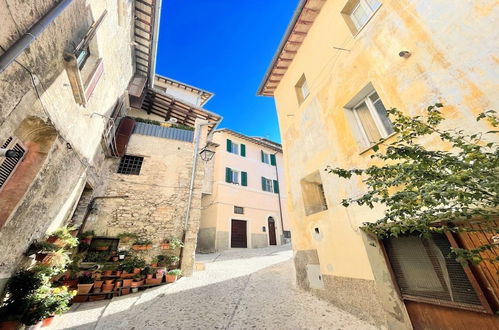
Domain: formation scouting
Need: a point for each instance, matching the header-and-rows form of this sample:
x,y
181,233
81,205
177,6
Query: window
x,y
268,158
238,210
235,148
302,90
236,177
130,165
426,272
371,119
9,165
270,185
358,12
314,198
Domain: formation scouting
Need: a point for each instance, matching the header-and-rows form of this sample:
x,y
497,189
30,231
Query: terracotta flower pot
x,y
107,272
154,265
127,282
102,248
107,287
136,247
44,258
125,291
148,247
115,258
70,283
171,278
56,241
164,246
98,284
108,282
118,284
136,270
79,299
153,281
149,276
118,273
84,288
136,284
10,325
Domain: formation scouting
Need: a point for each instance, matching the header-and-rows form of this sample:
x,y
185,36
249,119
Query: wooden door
x,y
272,236
238,237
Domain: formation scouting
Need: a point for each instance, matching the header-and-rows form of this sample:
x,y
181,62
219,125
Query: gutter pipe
x,y
20,45
155,39
279,195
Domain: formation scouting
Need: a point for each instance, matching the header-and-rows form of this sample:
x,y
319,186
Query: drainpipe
x,y
20,45
279,195
155,38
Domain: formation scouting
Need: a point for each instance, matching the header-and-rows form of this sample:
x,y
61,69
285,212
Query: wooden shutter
x,y
228,175
276,186
243,150
8,165
272,160
244,179
229,145
263,158
263,184
123,135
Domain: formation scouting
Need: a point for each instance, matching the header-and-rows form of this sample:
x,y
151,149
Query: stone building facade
x,y
339,65
246,203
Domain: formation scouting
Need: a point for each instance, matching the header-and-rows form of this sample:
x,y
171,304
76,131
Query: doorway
x,y
272,235
238,237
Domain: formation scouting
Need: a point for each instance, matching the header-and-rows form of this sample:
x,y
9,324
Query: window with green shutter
x,y
244,179
267,184
229,145
272,160
276,186
228,175
243,150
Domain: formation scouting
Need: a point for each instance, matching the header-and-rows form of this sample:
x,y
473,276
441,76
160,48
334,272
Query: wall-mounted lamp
x,y
206,154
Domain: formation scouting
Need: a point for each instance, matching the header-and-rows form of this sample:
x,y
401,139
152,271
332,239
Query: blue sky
x,y
225,46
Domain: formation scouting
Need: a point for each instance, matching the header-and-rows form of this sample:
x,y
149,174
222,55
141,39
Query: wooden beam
x,y
142,29
299,33
144,3
142,11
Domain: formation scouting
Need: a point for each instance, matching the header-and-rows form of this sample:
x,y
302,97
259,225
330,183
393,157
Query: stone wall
x,y
156,201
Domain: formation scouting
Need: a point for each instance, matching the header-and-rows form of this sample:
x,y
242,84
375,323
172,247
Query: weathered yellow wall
x,y
452,62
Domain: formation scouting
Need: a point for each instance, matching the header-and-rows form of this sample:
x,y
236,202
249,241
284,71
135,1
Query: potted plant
x,y
101,246
173,260
162,260
137,281
108,286
165,245
87,236
127,237
154,262
131,265
63,237
148,272
172,275
108,270
175,243
142,244
85,283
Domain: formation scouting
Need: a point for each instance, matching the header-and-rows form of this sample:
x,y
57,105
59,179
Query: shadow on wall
x,y
37,138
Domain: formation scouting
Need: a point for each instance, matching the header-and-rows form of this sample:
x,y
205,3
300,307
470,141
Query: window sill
x,y
377,144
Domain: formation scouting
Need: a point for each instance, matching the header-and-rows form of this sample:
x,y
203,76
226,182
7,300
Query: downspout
x,y
279,194
20,45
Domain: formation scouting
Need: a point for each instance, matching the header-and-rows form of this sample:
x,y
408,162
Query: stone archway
x,y
36,138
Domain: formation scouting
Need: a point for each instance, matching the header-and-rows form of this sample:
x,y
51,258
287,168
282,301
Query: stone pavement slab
x,y
240,289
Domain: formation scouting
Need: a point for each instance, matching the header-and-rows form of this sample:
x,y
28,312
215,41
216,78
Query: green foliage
x,y
176,272
173,260
132,263
142,242
426,188
97,256
148,270
127,236
85,278
174,243
42,247
87,234
64,234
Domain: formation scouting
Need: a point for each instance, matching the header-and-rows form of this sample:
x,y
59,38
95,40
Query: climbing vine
x,y
429,187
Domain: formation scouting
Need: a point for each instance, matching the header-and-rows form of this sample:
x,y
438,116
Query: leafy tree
x,y
427,188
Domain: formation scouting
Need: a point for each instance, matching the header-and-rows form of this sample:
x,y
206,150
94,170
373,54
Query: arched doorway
x,y
272,235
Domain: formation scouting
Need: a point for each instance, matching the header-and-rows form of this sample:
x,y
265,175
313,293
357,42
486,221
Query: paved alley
x,y
240,289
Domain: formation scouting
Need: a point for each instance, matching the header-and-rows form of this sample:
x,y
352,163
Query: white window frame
x,y
367,8
235,148
269,183
374,114
237,175
266,157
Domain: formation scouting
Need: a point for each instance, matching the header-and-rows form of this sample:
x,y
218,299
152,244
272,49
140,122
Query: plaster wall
x,y
452,62
259,205
73,156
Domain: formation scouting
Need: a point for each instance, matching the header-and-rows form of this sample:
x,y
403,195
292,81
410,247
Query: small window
x,y
236,177
130,165
267,185
371,119
265,157
238,210
358,12
302,90
314,198
236,148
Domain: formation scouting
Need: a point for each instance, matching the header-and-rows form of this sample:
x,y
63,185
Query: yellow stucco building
x,y
340,65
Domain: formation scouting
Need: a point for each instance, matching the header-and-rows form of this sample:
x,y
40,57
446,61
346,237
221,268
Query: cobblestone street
x,y
240,289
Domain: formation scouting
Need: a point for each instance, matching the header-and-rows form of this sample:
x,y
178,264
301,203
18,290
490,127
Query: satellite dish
x,y
172,120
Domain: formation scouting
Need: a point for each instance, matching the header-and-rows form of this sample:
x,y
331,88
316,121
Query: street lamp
x,y
206,154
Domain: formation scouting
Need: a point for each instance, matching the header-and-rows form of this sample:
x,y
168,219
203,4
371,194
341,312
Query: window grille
x,y
8,165
130,165
238,210
426,272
